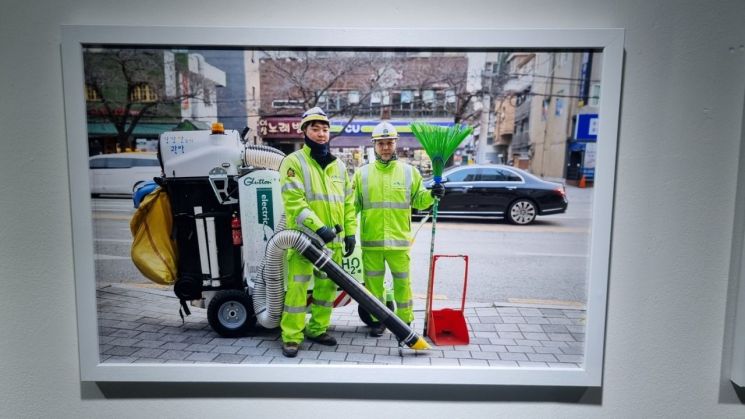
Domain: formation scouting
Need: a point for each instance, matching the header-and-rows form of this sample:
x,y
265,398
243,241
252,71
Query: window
x,y
492,175
143,93
287,104
145,162
91,95
337,101
428,96
465,175
322,98
97,163
354,97
118,163
594,99
511,176
450,96
499,175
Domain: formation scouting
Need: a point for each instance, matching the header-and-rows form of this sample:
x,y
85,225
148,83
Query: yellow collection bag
x,y
153,250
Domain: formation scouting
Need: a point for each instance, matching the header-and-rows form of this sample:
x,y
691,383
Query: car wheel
x,y
231,314
522,212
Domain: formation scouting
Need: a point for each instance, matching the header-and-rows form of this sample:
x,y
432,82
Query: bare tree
x,y
126,85
316,78
304,79
444,73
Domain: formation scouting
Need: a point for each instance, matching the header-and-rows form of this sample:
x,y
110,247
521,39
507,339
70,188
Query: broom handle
x,y
430,280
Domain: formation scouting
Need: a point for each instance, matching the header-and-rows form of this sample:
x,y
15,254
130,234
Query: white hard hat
x,y
384,130
314,114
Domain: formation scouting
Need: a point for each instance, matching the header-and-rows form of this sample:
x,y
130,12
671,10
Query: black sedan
x,y
498,191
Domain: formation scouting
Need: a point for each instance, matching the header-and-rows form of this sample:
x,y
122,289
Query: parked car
x,y
118,173
498,191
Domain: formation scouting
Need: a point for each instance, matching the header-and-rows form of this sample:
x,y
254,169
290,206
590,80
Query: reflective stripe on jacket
x,y
315,197
385,194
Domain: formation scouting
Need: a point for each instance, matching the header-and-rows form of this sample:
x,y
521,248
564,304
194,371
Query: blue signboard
x,y
587,127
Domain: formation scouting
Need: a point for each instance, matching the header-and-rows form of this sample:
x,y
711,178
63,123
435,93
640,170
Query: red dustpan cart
x,y
447,326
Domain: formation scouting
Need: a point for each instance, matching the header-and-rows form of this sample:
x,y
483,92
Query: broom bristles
x,y
440,143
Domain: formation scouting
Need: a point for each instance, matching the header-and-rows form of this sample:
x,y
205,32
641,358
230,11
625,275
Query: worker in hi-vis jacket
x,y
385,192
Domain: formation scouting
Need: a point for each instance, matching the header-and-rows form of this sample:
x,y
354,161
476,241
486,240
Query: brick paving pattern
x,y
141,325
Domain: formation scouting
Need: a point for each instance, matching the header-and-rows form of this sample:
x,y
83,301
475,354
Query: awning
x,y
141,129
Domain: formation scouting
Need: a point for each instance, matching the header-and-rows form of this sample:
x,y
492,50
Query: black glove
x,y
326,234
349,243
438,190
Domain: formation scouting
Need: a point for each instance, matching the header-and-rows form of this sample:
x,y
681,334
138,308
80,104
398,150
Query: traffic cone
x,y
582,182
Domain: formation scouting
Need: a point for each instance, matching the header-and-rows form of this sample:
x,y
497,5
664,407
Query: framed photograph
x,y
528,197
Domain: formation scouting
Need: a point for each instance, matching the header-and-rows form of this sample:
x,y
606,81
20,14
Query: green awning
x,y
142,129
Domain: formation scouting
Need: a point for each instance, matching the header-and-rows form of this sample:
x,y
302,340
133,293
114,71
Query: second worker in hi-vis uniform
x,y
385,192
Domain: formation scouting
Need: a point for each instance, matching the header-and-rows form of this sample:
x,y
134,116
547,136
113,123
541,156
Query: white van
x,y
117,174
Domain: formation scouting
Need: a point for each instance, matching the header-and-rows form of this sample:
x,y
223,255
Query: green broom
x,y
439,143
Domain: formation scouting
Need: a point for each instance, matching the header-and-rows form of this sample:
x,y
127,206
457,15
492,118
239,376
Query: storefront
x,y
350,140
581,150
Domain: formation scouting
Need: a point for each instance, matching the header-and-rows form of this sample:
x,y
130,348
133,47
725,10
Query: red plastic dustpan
x,y
447,326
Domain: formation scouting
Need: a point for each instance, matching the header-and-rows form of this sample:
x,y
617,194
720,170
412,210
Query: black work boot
x,y
289,349
323,339
377,330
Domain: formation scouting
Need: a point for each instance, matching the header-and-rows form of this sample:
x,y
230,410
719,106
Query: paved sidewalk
x,y
139,323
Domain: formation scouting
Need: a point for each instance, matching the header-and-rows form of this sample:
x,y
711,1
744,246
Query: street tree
x,y
341,82
349,84
125,85
449,75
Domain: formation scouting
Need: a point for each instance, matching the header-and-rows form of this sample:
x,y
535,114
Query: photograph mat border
x,y
609,41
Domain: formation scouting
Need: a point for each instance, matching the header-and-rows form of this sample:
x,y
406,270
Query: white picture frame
x,y
609,41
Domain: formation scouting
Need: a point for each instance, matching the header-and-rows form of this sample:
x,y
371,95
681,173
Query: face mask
x,y
320,150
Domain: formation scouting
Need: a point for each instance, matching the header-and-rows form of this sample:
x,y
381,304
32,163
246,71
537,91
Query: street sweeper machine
x,y
229,236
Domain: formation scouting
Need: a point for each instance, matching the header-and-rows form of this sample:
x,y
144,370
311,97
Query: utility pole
x,y
484,128
486,121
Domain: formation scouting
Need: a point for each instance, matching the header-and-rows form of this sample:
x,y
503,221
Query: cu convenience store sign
x,y
289,127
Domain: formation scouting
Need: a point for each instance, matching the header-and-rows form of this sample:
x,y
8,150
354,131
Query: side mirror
x,y
444,179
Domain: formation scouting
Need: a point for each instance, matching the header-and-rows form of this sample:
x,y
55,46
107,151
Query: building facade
x,y
549,91
133,95
358,89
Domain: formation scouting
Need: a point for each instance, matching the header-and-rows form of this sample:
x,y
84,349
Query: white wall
x,y
681,122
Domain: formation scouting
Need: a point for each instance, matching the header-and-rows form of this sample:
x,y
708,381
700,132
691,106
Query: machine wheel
x,y
522,212
231,314
367,317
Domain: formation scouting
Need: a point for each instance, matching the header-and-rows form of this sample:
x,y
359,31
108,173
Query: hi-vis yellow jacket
x,y
385,194
316,197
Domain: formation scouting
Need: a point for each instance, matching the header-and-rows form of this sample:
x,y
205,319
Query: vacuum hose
x,y
273,287
269,289
263,156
